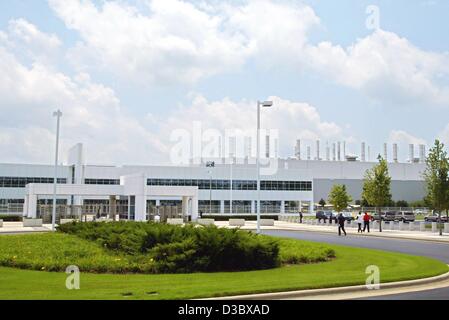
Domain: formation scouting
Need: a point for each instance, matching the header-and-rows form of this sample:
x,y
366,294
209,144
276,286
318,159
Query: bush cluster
x,y
11,218
175,249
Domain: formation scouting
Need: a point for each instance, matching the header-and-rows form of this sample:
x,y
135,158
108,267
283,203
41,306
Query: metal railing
x,y
13,209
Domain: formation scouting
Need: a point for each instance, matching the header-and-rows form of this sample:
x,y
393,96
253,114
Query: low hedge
x,y
11,218
175,249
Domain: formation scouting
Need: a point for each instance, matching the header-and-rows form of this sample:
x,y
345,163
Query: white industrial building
x,y
143,190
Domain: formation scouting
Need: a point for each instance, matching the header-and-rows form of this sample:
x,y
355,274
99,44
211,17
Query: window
x,y
102,181
22,182
237,185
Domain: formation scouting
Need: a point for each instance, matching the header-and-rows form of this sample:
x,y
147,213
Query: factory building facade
x,y
293,186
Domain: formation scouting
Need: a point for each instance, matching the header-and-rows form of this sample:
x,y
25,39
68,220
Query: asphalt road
x,y
438,251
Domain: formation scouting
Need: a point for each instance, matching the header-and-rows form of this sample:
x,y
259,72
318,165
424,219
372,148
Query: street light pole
x,y
230,196
58,115
265,104
210,164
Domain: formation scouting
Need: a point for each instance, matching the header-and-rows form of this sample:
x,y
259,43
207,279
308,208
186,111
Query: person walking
x,y
300,217
341,224
359,220
366,221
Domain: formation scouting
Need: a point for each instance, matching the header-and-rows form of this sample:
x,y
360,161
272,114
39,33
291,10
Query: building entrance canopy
x,y
132,186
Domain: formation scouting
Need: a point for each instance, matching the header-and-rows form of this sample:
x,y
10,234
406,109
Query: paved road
x,y
421,248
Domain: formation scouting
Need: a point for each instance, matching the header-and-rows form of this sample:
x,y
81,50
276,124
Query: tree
x,y
322,203
376,186
437,178
402,204
339,198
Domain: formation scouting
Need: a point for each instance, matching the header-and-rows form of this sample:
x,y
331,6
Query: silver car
x,y
405,216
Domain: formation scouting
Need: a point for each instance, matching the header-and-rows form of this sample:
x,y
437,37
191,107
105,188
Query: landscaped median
x,y
108,273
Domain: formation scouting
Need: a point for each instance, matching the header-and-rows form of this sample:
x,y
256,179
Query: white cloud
x,y
403,137
92,114
183,42
386,67
25,38
444,135
293,120
177,42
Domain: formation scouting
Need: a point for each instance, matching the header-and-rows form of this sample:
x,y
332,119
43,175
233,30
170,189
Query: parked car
x,y
331,215
420,211
405,216
321,215
348,216
434,216
375,216
325,215
390,216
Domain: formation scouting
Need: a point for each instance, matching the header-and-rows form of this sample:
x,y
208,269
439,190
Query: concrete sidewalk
x,y
17,227
393,234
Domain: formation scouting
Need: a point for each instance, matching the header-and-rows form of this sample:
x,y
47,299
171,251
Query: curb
x,y
317,292
5,233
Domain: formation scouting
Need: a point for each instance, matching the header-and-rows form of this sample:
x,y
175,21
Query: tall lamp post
x,y
231,183
265,104
58,115
210,164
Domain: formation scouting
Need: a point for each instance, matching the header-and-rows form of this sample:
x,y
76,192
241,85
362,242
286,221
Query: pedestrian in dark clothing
x,y
366,221
341,224
300,217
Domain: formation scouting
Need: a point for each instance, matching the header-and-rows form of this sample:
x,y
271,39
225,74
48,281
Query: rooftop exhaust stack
x,y
334,152
344,150
267,147
411,153
362,157
386,152
328,152
339,151
318,150
298,149
308,153
422,153
369,153
395,153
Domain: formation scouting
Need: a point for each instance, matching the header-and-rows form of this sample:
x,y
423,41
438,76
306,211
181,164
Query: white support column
x,y
253,206
283,207
140,208
25,206
222,207
185,207
32,206
195,208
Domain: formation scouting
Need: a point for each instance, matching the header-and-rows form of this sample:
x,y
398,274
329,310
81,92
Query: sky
x,y
127,74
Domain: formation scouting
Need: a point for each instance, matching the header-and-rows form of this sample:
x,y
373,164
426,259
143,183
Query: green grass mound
x,y
347,269
150,248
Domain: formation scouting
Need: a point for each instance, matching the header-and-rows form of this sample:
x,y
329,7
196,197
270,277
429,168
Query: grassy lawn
x,y
348,268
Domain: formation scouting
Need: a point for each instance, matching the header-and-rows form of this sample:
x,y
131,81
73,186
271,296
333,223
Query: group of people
x,y
362,219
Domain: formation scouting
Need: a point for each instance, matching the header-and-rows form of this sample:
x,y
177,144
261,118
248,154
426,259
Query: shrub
x,y
195,249
178,249
11,218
